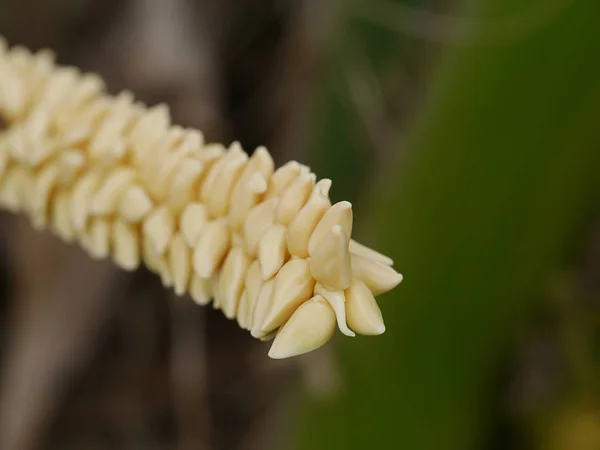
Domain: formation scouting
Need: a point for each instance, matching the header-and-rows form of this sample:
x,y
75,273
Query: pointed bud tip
x,y
379,329
257,183
236,146
324,186
278,353
281,351
399,278
311,326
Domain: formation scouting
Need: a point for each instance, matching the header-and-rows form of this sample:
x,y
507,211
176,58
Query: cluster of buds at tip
x,y
266,246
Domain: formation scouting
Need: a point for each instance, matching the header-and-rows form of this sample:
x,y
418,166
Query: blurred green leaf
x,y
501,166
362,56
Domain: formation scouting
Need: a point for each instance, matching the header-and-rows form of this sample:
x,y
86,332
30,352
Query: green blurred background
x,y
464,133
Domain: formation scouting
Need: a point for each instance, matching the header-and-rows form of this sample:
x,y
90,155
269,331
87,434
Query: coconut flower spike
x,y
263,244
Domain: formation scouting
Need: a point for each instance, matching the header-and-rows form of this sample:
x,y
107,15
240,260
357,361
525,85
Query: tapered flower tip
x,y
362,312
339,214
358,249
272,250
380,278
261,308
309,328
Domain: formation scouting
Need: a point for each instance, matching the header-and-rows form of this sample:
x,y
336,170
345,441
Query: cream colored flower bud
x,y
212,177
260,218
40,152
148,130
270,336
34,132
365,252
244,198
362,312
180,263
232,278
378,277
282,178
219,194
152,259
182,190
261,308
164,270
211,248
98,238
85,94
61,217
81,198
126,244
309,328
293,286
216,290
78,131
210,155
117,119
107,197
200,290
294,197
165,174
242,312
70,164
135,204
191,142
192,222
260,162
160,161
303,225
272,250
254,283
339,214
159,228
61,81
330,263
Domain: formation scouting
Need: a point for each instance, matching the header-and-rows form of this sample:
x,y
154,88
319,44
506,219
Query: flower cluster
x,y
266,246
